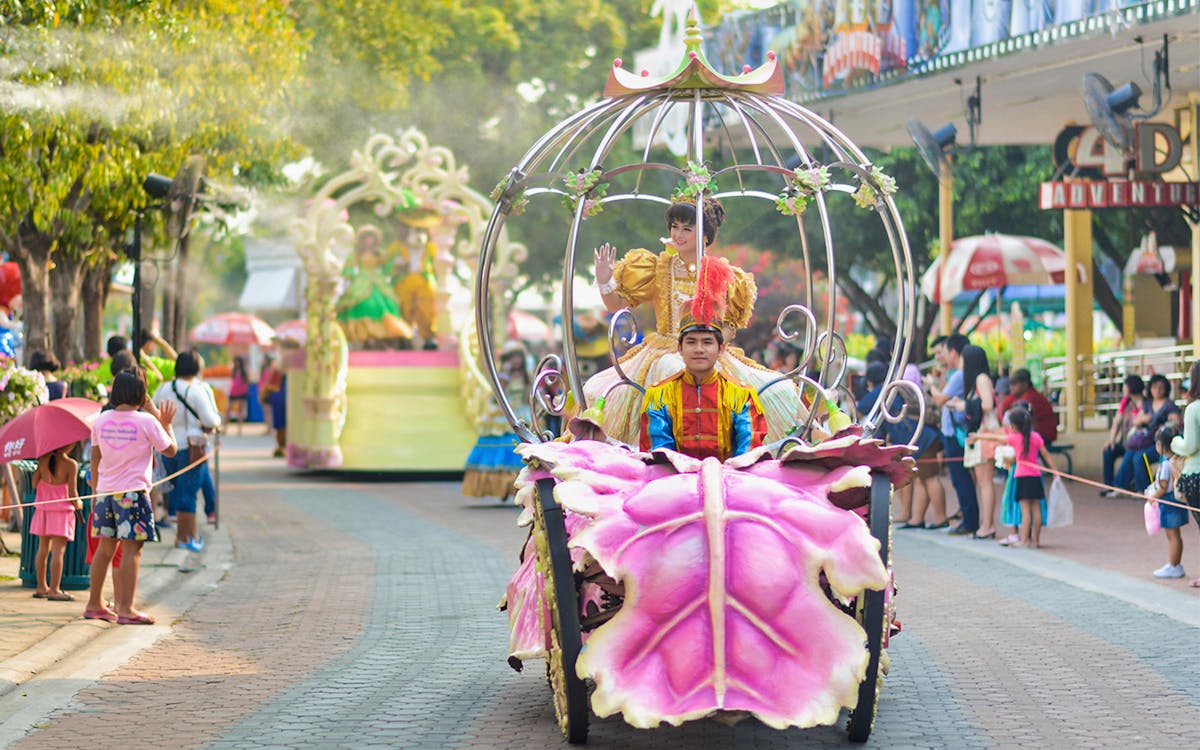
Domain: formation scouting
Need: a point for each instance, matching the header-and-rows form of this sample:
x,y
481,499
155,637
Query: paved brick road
x,y
362,615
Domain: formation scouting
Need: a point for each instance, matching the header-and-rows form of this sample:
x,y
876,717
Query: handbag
x,y
972,454
973,407
197,446
1152,518
1138,439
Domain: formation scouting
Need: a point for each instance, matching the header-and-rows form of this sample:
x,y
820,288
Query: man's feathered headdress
x,y
707,310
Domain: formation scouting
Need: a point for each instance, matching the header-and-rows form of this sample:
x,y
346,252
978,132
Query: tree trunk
x,y
166,316
64,286
31,252
878,319
97,279
182,279
1103,293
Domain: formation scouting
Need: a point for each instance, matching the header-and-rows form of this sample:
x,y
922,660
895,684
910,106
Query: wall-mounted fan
x,y
1109,108
1112,110
933,145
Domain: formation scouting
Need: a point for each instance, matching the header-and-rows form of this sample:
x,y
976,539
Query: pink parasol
x,y
43,428
232,328
992,261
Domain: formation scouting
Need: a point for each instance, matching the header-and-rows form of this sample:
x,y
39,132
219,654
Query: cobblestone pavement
x,y
362,614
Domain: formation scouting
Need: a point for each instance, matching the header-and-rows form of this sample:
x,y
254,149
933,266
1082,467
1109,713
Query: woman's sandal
x,y
136,618
1195,583
99,614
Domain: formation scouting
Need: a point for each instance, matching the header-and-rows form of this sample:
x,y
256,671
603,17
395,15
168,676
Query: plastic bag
x,y
1150,511
1005,456
1060,511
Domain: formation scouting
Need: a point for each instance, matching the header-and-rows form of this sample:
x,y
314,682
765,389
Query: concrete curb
x,y
157,581
1145,595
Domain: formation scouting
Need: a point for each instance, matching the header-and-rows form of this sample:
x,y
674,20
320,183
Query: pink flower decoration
x,y
721,564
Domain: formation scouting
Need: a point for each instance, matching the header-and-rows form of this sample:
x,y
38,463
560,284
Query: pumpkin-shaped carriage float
x,y
755,582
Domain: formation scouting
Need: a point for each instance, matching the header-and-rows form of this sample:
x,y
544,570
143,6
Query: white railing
x,y
1102,376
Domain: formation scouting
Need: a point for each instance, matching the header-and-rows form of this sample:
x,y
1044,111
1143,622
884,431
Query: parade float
x,y
657,586
374,381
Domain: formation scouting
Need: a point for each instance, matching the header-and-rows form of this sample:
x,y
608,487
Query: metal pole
x,y
136,257
216,471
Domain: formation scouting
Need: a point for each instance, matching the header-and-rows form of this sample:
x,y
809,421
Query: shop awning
x,y
271,289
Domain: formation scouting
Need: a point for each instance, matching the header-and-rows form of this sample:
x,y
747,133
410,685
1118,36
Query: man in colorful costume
x,y
701,412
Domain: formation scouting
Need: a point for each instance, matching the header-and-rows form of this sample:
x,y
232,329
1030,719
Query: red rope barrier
x,y
167,478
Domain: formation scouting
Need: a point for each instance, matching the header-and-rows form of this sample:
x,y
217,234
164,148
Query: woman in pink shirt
x,y
124,440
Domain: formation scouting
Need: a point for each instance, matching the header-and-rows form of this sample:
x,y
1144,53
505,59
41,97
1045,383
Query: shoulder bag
x,y
197,446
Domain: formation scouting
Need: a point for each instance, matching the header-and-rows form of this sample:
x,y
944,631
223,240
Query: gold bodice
x,y
669,283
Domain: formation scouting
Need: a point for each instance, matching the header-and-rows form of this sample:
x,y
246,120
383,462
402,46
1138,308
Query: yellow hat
x,y
421,217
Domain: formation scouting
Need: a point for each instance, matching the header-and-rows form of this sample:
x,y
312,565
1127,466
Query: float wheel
x,y
554,563
871,613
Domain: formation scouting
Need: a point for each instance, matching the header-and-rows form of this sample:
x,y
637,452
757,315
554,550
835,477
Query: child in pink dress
x,y
239,394
54,519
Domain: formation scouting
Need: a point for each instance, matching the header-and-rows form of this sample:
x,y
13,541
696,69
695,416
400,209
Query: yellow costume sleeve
x,y
735,395
656,395
740,298
634,275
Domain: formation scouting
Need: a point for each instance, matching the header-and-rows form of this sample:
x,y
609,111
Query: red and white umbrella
x,y
528,327
992,261
293,330
232,328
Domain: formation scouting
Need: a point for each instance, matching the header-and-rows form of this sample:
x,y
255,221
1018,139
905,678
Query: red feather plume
x,y
712,283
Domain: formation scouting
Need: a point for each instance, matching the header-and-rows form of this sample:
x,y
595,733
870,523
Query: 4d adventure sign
x,y
1101,171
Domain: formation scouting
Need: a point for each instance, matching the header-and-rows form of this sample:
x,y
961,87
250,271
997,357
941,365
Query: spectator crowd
x,y
994,437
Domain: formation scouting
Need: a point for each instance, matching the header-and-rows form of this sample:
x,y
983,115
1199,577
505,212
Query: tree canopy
x,y
100,94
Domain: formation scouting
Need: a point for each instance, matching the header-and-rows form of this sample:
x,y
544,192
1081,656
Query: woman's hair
x,y
122,361
1019,419
1135,384
714,217
116,344
187,364
1156,378
1193,391
371,231
128,389
975,363
1163,438
52,464
239,366
43,362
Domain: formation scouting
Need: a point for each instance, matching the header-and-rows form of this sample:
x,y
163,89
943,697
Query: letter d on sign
x,y
1146,141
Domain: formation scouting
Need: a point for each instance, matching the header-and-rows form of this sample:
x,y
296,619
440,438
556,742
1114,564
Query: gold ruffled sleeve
x,y
740,298
634,275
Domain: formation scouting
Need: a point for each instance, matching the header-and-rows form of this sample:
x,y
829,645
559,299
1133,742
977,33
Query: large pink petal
x,y
722,564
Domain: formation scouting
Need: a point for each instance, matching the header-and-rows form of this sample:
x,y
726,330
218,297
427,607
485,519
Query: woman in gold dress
x,y
669,281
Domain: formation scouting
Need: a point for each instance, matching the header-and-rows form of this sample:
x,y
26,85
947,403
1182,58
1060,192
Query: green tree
x,y
484,80
104,93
